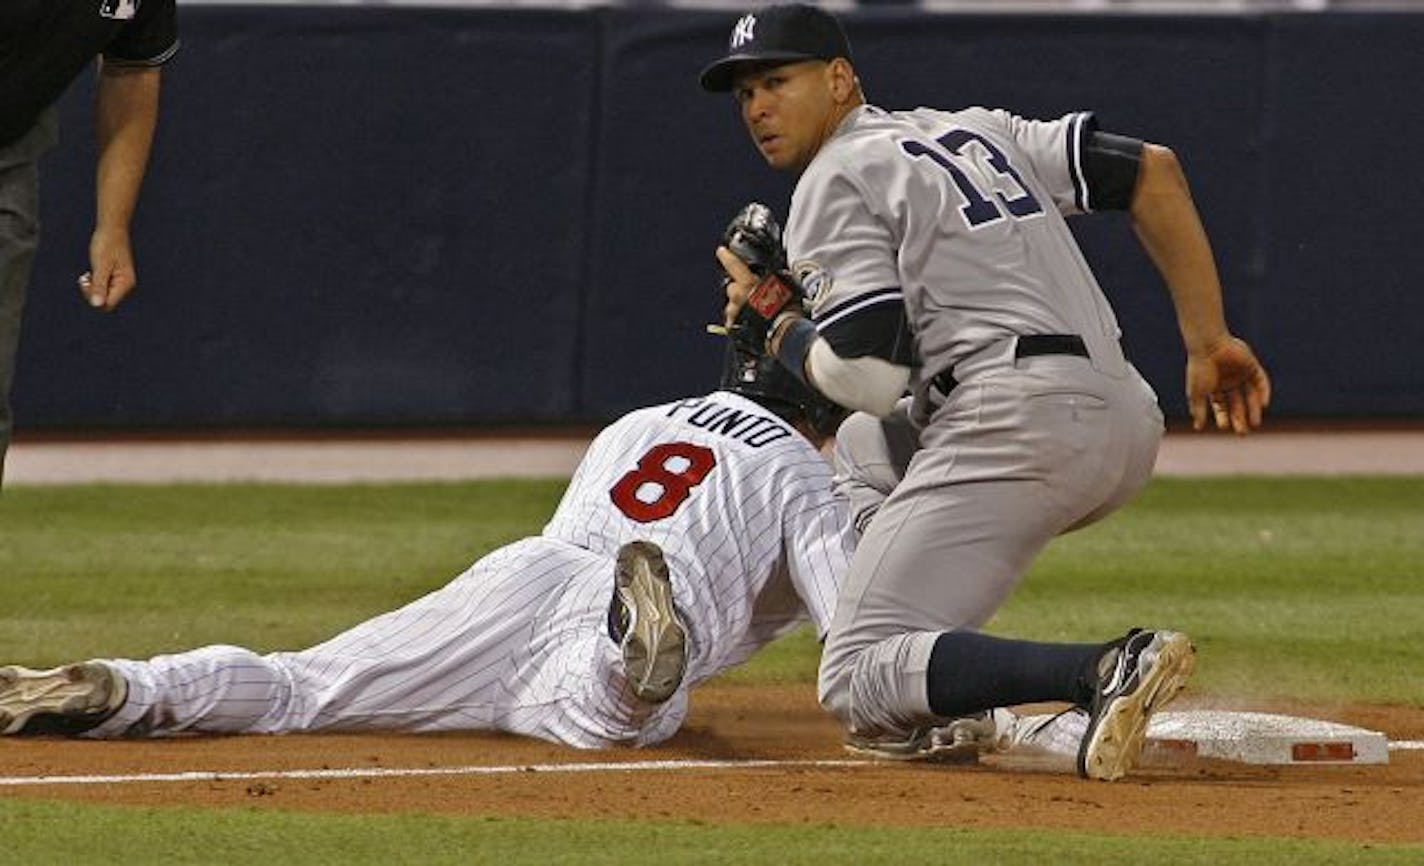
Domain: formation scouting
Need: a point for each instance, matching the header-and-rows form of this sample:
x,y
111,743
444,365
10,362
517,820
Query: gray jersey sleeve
x,y
845,257
1055,148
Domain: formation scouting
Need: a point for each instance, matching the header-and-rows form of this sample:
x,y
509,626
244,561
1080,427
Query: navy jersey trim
x,y
1078,126
860,302
872,324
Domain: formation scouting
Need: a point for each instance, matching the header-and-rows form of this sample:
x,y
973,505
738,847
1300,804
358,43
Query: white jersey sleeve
x,y
819,548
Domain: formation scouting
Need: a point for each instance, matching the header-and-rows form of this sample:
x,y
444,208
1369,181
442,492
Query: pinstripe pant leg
x,y
214,689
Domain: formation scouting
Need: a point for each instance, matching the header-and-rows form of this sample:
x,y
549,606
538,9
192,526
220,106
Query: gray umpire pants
x,y
1020,452
19,239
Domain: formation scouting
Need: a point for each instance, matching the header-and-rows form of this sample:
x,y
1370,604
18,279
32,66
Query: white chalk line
x,y
398,772
508,769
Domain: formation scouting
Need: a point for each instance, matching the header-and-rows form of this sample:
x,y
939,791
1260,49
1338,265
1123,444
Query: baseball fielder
x,y
934,254
692,534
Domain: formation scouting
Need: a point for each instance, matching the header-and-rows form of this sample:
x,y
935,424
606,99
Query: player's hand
x,y
1229,383
738,286
111,275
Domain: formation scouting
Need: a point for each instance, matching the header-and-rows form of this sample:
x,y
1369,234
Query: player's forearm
x,y
1171,231
866,384
127,113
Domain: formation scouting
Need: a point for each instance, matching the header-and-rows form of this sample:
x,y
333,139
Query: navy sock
x,y
970,672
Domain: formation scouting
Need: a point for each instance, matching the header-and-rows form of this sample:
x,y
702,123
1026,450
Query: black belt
x,y
1028,346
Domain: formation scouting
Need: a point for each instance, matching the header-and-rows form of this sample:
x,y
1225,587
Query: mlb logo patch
x,y
122,10
815,282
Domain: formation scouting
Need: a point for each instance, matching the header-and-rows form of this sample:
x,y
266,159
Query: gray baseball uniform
x,y
742,507
936,240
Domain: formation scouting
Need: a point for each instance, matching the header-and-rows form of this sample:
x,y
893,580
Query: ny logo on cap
x,y
122,10
743,32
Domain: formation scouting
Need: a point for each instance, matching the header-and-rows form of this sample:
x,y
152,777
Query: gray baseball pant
x,y
1015,456
19,239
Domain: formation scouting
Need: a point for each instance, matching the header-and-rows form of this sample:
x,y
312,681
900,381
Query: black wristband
x,y
1110,165
795,345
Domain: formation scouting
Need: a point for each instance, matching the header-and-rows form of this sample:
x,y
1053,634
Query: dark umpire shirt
x,y
45,44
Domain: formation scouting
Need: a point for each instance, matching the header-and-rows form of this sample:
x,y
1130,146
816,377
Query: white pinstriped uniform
x,y
519,642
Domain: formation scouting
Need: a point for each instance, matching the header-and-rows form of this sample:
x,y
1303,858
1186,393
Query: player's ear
x,y
841,76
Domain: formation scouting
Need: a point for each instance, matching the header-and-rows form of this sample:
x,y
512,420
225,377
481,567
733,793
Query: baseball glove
x,y
755,236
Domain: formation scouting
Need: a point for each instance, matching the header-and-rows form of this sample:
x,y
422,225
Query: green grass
x,y
135,570
1300,588
180,835
1310,589
1303,588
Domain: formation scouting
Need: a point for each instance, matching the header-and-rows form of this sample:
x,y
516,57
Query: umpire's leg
x,y
19,239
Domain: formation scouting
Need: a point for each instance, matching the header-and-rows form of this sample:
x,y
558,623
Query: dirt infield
x,y
738,724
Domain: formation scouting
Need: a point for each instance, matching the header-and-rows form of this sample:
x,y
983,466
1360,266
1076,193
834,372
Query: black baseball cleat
x,y
63,701
1137,676
644,622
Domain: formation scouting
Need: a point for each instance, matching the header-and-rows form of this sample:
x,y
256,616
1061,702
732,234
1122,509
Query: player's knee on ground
x,y
882,687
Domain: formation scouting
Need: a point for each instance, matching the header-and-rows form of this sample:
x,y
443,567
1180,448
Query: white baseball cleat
x,y
1137,676
1048,734
645,623
67,700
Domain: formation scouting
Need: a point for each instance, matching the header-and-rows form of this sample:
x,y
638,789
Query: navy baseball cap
x,y
784,33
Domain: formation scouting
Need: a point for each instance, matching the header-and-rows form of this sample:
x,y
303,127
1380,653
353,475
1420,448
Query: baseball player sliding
x,y
691,534
934,255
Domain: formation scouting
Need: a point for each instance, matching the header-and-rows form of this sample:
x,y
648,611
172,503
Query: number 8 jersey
x,y
741,505
923,236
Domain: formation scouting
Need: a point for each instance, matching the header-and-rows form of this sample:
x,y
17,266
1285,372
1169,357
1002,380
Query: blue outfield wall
x,y
404,216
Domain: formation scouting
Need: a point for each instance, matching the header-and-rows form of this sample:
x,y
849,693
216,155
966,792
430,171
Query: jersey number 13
x,y
1009,191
